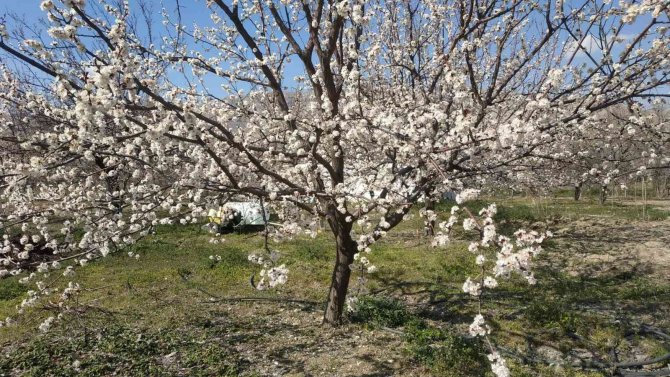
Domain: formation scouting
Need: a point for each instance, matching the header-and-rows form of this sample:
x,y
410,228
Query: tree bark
x,y
578,191
429,224
603,194
112,184
346,248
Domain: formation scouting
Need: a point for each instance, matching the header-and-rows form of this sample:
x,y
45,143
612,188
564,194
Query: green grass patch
x,y
446,353
542,209
122,350
380,312
11,289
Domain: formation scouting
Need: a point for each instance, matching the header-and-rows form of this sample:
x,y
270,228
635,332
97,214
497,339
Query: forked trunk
x,y
345,249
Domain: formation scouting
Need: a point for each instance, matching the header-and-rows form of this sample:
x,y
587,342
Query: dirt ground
x,y
290,341
599,245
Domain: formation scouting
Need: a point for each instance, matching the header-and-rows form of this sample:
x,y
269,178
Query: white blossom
x,y
498,365
478,327
472,288
46,325
467,195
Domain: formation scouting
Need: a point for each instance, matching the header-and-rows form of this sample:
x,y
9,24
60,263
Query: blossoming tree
x,y
350,111
620,145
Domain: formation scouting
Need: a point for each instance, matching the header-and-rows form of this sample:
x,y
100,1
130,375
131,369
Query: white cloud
x,y
589,44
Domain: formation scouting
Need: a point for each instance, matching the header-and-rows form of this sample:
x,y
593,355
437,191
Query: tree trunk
x,y
112,184
346,248
578,191
603,194
113,188
429,224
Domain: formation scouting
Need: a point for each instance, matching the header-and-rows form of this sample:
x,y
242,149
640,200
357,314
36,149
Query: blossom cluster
x,y
510,257
272,276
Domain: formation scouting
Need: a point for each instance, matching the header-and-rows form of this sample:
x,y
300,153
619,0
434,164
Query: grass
x,y
11,289
447,354
380,312
121,350
135,312
547,208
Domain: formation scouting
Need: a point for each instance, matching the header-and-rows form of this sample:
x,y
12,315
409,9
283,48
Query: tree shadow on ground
x,y
590,318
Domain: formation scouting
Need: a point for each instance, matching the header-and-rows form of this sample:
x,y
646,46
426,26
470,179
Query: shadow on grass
x,y
589,320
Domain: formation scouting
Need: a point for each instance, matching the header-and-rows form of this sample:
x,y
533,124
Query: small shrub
x,y
380,312
446,354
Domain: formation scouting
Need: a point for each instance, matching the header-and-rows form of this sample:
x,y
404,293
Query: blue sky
x,y
28,8
192,11
195,11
